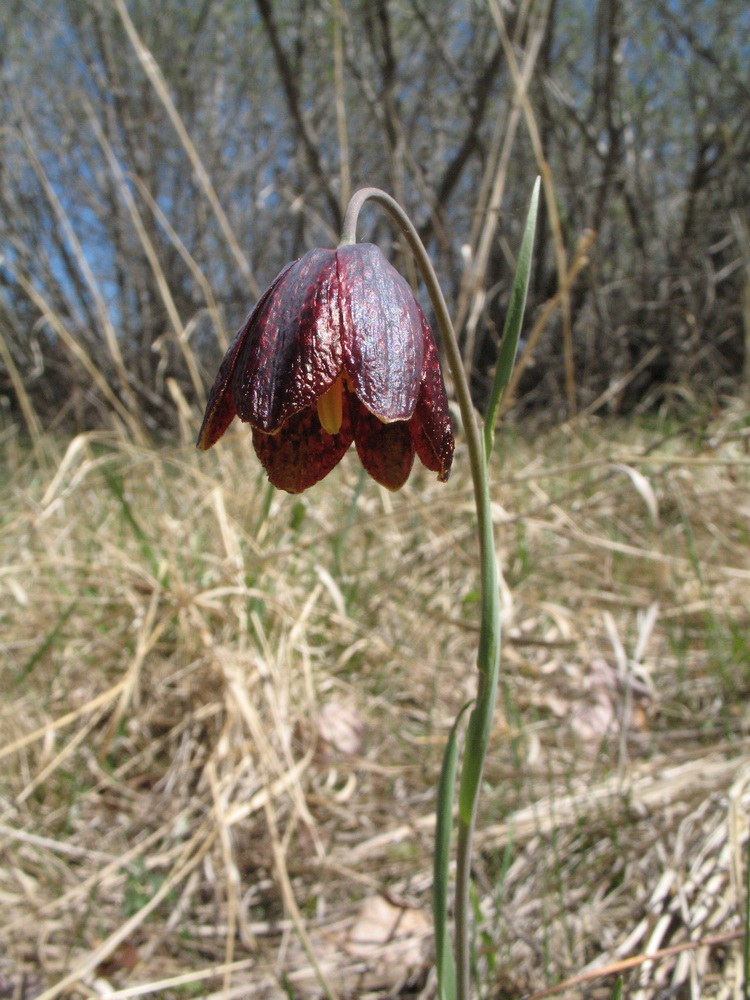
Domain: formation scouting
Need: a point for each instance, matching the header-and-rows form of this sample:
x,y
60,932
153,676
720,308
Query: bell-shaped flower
x,y
336,350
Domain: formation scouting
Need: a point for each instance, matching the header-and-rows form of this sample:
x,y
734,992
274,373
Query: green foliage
x,y
140,885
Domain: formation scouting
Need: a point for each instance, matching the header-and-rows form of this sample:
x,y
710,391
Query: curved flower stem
x,y
488,657
450,344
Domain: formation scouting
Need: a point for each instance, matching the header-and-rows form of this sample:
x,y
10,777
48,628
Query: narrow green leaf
x,y
488,665
446,789
513,322
616,993
115,484
45,644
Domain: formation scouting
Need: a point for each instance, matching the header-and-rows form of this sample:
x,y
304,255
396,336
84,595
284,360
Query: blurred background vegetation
x,y
155,172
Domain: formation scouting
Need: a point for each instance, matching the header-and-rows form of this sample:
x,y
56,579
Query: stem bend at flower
x,y
488,657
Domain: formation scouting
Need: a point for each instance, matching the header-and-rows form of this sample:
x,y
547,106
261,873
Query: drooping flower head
x,y
336,350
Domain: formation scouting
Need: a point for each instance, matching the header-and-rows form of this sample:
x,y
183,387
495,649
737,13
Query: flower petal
x,y
293,351
220,411
431,424
219,414
382,334
385,450
302,453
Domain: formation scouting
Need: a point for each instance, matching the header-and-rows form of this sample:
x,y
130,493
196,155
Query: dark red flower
x,y
336,350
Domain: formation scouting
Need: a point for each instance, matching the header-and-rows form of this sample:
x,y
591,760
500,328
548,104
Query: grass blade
x,y
446,792
46,644
513,322
746,939
115,484
616,993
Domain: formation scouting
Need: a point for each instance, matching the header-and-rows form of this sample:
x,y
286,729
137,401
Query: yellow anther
x,y
331,407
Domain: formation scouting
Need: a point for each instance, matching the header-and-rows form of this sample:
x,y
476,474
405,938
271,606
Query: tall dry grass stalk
x,y
565,276
155,76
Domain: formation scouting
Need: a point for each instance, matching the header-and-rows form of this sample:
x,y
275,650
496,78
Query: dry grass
x,y
224,712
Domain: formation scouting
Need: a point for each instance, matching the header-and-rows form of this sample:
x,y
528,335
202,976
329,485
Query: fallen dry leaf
x,y
341,729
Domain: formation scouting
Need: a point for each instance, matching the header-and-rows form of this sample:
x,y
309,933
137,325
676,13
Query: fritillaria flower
x,y
336,350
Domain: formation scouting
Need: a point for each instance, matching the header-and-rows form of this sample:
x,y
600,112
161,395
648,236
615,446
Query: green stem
x,y
450,344
488,657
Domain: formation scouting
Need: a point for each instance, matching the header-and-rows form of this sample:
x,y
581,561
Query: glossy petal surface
x,y
302,453
337,327
220,410
385,450
431,424
381,332
293,351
